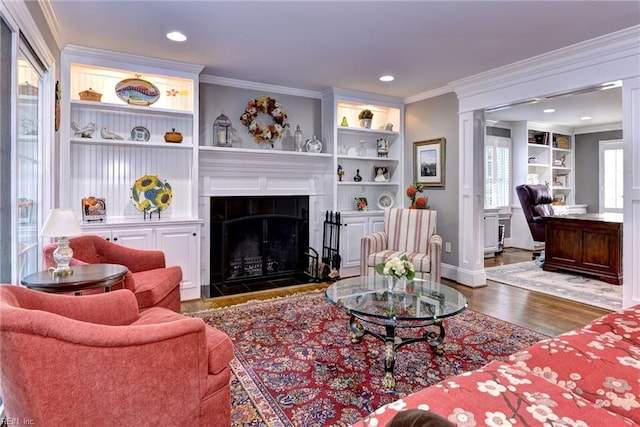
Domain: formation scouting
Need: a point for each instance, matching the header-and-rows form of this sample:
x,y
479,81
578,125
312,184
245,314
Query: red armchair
x,y
153,284
96,360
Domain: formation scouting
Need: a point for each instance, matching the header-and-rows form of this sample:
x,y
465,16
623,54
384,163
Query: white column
x,y
471,199
631,192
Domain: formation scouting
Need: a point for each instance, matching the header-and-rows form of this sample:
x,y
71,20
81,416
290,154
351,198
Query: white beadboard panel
x,y
100,170
122,122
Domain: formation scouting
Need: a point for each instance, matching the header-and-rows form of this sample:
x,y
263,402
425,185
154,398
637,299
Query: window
x,y
611,178
497,170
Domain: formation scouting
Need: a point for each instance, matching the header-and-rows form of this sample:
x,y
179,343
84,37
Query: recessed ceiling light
x,y
549,110
387,78
585,118
176,36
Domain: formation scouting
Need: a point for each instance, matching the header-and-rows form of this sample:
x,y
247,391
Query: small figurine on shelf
x,y
297,139
105,134
340,173
83,132
357,177
344,122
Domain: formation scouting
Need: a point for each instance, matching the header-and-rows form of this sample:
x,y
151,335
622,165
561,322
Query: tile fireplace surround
x,y
263,172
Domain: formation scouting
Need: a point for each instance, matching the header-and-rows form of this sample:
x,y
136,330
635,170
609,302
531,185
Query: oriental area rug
x,y
294,363
574,287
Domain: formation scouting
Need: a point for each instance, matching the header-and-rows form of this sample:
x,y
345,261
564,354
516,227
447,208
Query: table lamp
x,y
62,224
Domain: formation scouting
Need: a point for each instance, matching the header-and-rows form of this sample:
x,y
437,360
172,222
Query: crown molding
x,y
116,59
598,128
263,87
429,94
46,6
600,50
363,97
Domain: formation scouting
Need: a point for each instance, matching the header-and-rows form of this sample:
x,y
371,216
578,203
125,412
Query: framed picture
x,y
94,209
381,173
361,203
429,162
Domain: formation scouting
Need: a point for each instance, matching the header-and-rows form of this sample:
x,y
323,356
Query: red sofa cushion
x,y
598,367
624,324
154,285
500,394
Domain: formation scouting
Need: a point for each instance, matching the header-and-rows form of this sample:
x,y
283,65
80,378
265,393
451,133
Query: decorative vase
x,y
297,139
397,284
365,123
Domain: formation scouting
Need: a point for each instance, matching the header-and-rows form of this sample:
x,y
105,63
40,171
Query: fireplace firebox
x,y
258,243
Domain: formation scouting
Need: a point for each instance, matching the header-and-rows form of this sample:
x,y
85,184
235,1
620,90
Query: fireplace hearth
x,y
258,243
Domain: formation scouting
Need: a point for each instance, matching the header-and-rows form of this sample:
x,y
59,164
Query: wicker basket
x,y
90,95
562,141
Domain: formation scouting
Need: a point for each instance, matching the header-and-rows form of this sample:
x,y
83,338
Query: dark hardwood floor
x,y
540,312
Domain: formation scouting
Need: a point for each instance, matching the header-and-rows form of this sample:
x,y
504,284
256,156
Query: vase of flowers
x,y
417,202
398,269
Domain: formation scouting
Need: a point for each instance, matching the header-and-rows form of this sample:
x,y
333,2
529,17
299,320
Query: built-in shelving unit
x,y
93,163
356,151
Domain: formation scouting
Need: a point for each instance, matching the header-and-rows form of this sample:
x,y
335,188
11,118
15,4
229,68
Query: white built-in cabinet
x,y
542,154
107,168
491,223
356,153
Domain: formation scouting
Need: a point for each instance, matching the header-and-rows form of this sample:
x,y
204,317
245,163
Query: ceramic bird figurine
x,y
84,132
105,134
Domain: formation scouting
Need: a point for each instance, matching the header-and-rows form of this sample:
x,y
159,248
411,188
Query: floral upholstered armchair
x,y
153,283
411,232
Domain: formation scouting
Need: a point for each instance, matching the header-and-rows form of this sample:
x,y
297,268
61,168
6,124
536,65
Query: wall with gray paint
x,y
434,118
214,99
587,177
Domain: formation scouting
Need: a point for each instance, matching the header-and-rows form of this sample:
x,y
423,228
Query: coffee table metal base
x,y
392,342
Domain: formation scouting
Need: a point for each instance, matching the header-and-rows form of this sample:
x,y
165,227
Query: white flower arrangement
x,y
397,267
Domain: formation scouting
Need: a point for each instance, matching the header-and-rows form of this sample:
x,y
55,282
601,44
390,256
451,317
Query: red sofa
x,y
94,360
153,283
587,377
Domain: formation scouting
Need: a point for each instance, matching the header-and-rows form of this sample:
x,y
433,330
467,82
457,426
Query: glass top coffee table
x,y
372,300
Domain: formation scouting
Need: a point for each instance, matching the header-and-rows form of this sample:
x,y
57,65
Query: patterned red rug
x,y
295,364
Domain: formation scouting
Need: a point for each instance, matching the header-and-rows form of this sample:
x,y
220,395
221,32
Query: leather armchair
x,y
536,204
406,231
95,360
153,283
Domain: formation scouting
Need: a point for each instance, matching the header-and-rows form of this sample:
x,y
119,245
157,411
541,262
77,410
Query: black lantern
x,y
222,131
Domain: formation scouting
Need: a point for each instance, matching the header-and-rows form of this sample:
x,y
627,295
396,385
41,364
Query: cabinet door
x,y
181,246
137,238
353,230
490,233
376,224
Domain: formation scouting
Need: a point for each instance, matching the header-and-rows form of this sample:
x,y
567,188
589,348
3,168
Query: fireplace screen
x,y
257,243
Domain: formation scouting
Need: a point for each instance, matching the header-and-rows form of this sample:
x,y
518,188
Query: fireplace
x,y
258,243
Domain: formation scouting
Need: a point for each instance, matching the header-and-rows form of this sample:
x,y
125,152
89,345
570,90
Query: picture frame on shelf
x,y
429,162
381,174
361,203
94,209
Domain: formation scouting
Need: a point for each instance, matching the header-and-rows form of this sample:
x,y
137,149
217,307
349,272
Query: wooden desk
x,y
84,277
587,243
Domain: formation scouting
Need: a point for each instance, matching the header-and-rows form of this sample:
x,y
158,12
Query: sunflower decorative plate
x,y
150,193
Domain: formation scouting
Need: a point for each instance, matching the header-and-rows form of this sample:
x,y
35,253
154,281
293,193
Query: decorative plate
x,y
137,92
385,200
140,133
150,193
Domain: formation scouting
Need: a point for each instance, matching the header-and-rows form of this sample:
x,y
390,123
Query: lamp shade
x,y
61,223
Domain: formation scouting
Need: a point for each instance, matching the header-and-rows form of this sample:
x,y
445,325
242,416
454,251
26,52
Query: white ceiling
x,y
313,45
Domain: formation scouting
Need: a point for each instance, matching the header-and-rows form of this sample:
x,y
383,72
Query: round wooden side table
x,y
90,276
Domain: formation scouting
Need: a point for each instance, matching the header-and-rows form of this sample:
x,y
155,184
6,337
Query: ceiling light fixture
x,y
585,118
387,78
176,36
549,110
